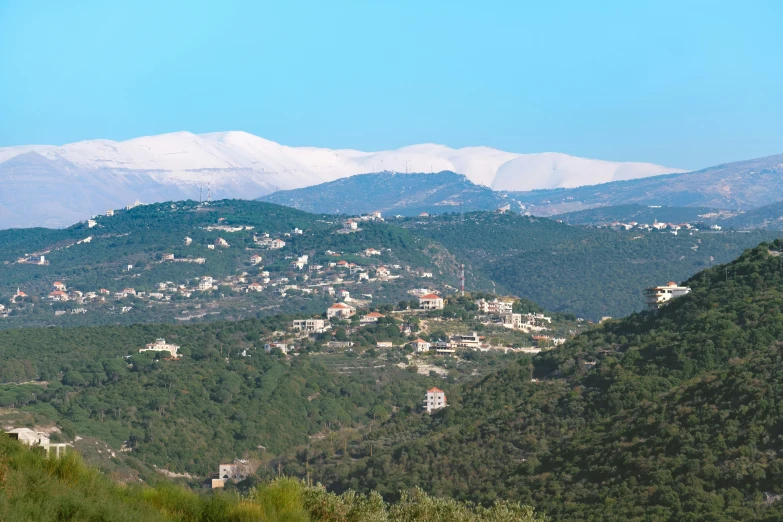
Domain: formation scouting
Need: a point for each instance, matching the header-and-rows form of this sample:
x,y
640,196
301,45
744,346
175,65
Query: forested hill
x,y
589,272
392,193
673,416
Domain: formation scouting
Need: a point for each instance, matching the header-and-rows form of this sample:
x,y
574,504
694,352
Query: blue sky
x,y
685,84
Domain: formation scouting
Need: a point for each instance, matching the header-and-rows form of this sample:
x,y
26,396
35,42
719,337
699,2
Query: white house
x,y
58,295
221,242
254,287
276,244
205,284
420,345
310,325
372,317
344,294
351,224
281,346
658,295
160,345
36,439
340,310
495,307
434,399
430,302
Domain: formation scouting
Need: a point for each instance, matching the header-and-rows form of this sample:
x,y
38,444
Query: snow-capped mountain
x,y
51,185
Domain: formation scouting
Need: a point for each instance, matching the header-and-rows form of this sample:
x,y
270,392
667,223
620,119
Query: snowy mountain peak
x,y
101,174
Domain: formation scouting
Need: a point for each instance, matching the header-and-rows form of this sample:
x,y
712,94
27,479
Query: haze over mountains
x,y
58,185
742,185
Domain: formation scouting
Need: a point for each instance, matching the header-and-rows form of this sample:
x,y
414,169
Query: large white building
x,y
434,399
160,345
658,295
310,325
495,307
430,302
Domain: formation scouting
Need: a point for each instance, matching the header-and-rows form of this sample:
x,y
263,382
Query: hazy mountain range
x,y
58,185
740,185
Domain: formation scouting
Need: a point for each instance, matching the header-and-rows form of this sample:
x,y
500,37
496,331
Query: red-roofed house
x,y
58,295
434,399
420,345
372,317
59,286
340,310
430,302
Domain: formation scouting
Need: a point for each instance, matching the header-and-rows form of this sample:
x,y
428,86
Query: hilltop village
x,y
270,269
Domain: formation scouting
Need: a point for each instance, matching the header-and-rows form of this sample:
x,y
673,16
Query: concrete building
x,y
37,439
160,345
430,302
434,399
466,341
310,325
658,295
236,471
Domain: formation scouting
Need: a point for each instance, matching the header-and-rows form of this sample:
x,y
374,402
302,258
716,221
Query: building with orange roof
x,y
340,310
420,345
372,317
434,399
430,302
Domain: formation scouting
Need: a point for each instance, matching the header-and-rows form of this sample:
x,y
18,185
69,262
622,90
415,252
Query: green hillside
x,y
668,416
33,487
572,269
591,273
639,213
392,193
139,238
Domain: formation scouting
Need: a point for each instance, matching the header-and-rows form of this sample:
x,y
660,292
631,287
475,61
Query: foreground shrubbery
x,y
33,487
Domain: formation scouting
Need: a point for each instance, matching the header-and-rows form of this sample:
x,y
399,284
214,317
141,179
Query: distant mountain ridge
x,y
739,185
404,194
56,186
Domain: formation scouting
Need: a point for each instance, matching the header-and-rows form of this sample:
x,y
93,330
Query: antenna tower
x,y
462,280
209,194
200,193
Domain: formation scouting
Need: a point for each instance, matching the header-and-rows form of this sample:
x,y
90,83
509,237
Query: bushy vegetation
x,y
33,487
667,416
212,405
588,272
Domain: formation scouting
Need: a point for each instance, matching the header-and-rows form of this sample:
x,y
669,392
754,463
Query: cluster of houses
x,y
504,310
352,224
673,228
